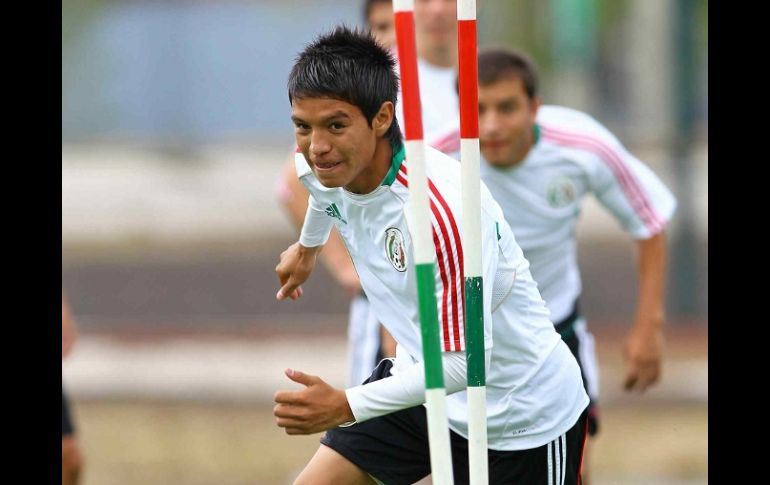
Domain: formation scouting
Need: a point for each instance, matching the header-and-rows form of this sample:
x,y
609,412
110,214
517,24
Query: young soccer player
x,y
343,91
435,31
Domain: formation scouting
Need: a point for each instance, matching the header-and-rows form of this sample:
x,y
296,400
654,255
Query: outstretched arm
x,y
334,256
643,346
319,406
298,261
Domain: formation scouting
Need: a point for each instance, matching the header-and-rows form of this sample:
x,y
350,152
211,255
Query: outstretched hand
x,y
296,264
312,409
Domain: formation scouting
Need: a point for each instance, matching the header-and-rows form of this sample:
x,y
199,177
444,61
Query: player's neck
x,y
529,143
440,57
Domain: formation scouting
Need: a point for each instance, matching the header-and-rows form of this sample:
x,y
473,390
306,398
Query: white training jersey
x,y
541,197
438,97
534,389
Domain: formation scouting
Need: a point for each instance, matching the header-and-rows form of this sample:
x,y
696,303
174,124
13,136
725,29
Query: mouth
x,y
440,29
326,166
494,145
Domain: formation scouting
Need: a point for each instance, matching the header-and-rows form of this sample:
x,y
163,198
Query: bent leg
x,y
327,467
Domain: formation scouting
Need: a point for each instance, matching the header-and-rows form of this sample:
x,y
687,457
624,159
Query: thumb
x,y
632,375
287,290
301,377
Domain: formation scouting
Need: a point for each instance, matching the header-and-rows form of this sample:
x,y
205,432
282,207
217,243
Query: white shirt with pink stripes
x,y
534,389
574,155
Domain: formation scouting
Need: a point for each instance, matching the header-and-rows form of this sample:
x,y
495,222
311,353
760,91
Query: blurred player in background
x,y
71,458
435,31
436,36
379,18
540,162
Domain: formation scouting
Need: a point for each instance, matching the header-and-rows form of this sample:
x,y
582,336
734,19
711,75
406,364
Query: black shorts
x,y
394,449
67,429
570,337
593,408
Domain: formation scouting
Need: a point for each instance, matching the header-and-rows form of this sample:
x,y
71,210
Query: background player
x,y
540,162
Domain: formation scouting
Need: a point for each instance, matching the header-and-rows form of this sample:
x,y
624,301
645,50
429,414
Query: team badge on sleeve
x,y
394,248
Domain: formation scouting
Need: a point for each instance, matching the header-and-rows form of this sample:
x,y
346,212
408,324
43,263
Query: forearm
x,y
650,311
294,198
404,389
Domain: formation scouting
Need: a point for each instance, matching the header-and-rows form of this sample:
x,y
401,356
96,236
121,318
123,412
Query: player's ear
x,y
383,119
534,105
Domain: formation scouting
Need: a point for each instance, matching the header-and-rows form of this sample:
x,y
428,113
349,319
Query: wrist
x,y
649,323
308,251
346,414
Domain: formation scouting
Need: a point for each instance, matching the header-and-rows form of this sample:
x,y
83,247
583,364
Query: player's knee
x,y
71,459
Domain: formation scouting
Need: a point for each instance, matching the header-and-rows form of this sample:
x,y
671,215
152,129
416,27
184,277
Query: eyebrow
x,y
335,115
510,100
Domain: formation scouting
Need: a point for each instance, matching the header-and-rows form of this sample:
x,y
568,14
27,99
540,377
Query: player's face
x,y
338,143
436,22
382,25
506,121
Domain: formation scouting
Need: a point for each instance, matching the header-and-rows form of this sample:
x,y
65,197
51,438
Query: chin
x,y
330,182
500,162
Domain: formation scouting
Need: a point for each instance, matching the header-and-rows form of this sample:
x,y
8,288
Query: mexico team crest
x,y
394,248
560,192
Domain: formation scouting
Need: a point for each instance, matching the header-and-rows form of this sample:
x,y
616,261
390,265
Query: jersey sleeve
x,y
627,187
403,388
316,226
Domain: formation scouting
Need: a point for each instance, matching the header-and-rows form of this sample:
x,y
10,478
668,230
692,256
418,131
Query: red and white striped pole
x,y
425,256
470,159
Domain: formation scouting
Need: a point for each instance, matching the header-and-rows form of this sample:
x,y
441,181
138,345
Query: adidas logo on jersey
x,y
333,211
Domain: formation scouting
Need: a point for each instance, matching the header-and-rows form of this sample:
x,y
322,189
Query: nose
x,y
319,144
488,123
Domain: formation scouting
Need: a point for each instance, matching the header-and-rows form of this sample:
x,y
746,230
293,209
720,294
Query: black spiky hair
x,y
349,65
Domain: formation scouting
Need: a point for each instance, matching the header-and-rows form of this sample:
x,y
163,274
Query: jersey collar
x,y
395,164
